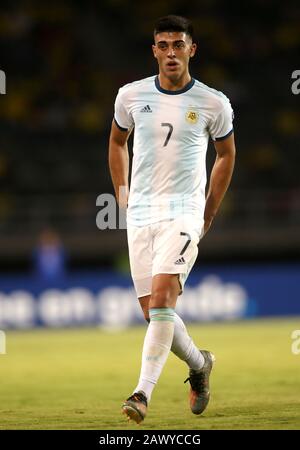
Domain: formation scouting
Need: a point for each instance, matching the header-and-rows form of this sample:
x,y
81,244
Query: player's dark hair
x,y
174,23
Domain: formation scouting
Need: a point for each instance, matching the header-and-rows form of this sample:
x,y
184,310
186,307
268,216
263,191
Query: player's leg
x,y
182,345
157,343
169,246
159,336
175,252
136,405
144,303
200,362
140,257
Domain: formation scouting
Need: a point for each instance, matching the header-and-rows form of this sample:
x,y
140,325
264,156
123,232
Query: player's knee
x,y
161,298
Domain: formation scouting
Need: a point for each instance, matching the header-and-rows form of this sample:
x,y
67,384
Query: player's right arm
x,y
119,163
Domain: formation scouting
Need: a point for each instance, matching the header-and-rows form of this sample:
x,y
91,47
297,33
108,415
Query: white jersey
x,y
171,133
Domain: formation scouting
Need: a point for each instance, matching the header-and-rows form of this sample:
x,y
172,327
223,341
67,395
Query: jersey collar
x,y
187,87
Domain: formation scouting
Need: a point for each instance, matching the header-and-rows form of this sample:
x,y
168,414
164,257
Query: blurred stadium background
x,y
64,62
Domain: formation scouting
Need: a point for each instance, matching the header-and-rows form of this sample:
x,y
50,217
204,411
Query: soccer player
x,y
173,116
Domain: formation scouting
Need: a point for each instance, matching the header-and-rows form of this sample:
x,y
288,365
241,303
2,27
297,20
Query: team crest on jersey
x,y
192,116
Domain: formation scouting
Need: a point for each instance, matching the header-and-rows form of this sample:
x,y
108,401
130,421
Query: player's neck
x,y
174,85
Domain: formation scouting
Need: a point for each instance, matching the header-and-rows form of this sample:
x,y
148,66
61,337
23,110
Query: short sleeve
x,y
221,126
122,117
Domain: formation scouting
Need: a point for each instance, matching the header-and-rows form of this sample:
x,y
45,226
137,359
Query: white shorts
x,y
165,247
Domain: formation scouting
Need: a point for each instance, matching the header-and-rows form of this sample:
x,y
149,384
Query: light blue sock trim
x,y
162,314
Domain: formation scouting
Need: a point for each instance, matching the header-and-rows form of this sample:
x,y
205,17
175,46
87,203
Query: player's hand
x,y
123,197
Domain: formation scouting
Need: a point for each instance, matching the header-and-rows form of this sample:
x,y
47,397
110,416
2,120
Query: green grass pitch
x,y
77,379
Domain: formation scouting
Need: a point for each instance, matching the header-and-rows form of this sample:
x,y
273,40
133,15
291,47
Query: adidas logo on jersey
x,y
180,261
146,109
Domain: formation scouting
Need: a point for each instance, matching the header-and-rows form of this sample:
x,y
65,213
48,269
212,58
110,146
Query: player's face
x,y
173,51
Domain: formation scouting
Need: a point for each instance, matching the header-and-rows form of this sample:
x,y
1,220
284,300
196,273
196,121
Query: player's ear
x,y
154,50
193,50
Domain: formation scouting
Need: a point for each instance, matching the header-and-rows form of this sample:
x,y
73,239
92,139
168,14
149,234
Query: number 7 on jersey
x,y
170,126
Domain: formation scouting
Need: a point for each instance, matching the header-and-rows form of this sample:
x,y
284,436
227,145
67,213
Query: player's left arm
x,y
220,178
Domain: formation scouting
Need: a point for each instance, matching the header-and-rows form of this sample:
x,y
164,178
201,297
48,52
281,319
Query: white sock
x,y
184,347
156,348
